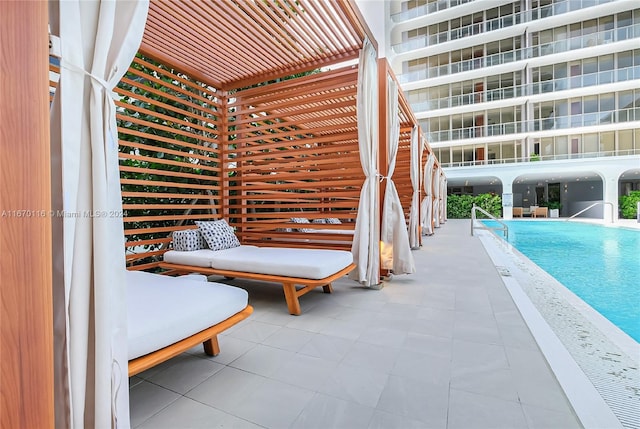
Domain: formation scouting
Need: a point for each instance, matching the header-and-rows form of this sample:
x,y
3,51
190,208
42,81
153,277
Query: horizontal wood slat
x,y
296,155
169,127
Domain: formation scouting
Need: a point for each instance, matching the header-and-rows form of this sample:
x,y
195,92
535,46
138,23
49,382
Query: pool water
x,y
599,264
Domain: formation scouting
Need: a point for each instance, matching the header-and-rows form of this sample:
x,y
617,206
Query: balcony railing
x,y
467,99
540,124
459,33
589,40
556,8
466,65
426,9
586,80
560,7
559,157
553,85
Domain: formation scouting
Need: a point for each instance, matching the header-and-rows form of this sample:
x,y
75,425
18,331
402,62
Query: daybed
x,y
309,268
169,315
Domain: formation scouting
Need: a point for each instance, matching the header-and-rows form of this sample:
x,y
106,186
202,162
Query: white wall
x,y
375,12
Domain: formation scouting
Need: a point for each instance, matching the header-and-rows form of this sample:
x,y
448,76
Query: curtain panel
x,y
414,211
396,252
365,247
99,39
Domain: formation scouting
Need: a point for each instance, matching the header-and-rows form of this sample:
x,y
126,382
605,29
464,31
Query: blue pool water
x,y
599,264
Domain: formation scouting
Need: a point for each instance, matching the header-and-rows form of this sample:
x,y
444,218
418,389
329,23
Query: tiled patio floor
x,y
445,348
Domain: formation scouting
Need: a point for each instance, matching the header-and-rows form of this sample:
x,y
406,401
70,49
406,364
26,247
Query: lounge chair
x,y
541,212
169,315
223,255
309,268
517,212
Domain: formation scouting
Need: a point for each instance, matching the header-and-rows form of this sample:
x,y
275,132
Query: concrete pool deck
x,y
445,347
595,362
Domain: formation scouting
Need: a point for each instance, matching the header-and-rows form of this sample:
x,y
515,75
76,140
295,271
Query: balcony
x,y
459,33
427,9
538,124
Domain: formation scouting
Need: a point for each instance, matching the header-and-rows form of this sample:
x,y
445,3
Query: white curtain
x,y
414,212
427,201
443,199
365,247
99,39
436,198
396,252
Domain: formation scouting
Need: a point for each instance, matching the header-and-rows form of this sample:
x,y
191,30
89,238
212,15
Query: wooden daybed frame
x,y
208,337
291,293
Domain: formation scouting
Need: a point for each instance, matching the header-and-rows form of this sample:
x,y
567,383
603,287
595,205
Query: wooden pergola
x,y
252,143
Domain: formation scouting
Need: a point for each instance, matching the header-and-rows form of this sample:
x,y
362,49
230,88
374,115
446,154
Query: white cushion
x,y
289,262
198,258
162,310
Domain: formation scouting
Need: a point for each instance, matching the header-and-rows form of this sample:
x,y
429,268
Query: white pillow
x,y
187,240
218,234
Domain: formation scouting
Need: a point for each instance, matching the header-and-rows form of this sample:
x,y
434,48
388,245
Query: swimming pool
x,y
599,264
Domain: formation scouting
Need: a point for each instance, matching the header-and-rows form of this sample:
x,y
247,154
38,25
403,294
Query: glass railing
x,y
587,119
587,41
560,7
624,152
461,66
586,80
477,131
426,9
540,124
459,33
556,8
466,99
594,39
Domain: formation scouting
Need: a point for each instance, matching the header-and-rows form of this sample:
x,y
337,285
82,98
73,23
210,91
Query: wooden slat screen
x,y
168,127
294,154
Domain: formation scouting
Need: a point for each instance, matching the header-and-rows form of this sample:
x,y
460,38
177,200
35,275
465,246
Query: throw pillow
x,y
218,234
301,220
333,221
187,240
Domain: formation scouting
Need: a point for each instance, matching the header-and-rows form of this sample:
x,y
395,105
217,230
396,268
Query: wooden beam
x,y
26,315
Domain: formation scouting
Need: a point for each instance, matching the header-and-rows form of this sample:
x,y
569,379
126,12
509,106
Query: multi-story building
x,y
534,99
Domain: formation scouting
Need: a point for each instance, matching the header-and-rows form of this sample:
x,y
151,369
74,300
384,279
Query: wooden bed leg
x,y
291,297
328,288
211,346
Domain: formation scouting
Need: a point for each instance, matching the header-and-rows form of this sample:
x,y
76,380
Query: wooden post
x,y
383,135
26,315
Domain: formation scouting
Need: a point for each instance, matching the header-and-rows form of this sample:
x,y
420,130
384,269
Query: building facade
x,y
526,98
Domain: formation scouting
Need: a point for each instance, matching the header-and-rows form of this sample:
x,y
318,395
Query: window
x,y
607,142
625,140
590,143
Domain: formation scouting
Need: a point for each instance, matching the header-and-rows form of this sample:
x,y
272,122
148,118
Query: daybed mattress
x,y
163,310
304,263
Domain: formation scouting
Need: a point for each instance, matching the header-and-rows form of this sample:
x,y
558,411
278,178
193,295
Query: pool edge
x,y
590,407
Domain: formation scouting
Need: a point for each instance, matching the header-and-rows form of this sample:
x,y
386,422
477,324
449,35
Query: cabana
x,y
213,121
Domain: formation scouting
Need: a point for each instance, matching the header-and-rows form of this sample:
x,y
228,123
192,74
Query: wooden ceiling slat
x,y
304,40
235,50
319,21
233,43
258,11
